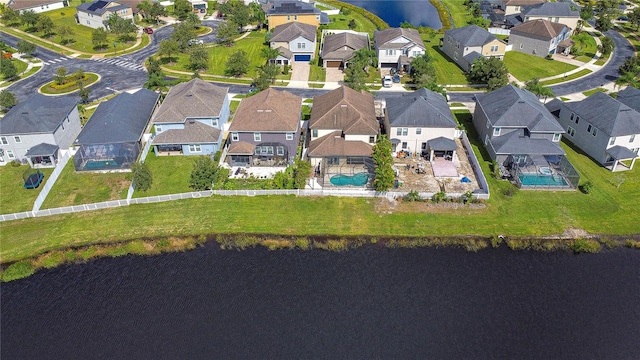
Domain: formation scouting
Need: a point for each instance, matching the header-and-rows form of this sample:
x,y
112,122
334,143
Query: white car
x,y
387,81
195,42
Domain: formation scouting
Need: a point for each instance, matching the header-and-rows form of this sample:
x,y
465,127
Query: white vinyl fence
x,y
66,155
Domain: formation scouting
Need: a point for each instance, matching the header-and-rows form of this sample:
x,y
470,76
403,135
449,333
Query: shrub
x,y
412,196
586,187
439,197
302,243
585,245
285,70
632,244
18,270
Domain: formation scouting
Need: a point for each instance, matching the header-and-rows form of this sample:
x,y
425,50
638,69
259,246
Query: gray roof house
x,y
522,136
466,44
112,138
603,127
36,130
396,47
191,119
296,41
339,48
95,14
37,6
557,12
541,38
630,96
420,122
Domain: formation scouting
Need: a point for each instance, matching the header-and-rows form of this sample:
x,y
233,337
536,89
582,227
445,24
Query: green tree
x,y
82,110
423,73
141,177
198,58
365,57
384,174
352,24
538,89
182,34
26,47
630,65
7,68
607,45
193,19
83,92
46,25
628,79
586,12
29,18
168,48
7,99
152,10
203,174
155,74
265,76
99,38
270,53
257,14
10,17
491,71
240,13
355,77
61,75
301,171
634,17
181,9
227,32
607,11
237,64
66,33
123,28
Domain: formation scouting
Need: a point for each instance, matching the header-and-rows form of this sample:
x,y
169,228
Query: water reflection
x,y
417,12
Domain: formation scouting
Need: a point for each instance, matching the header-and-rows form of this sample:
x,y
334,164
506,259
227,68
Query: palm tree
x,y
270,53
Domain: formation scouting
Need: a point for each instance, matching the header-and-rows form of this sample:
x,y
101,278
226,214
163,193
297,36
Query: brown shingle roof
x,y
194,132
241,148
291,31
541,28
268,110
195,98
335,145
342,46
284,52
346,109
384,36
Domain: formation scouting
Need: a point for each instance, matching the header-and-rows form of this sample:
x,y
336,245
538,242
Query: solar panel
x,y
97,5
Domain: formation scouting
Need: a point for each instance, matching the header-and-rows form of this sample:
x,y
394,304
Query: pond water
x,y
367,303
393,12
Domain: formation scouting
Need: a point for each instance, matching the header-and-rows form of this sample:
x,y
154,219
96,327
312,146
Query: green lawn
x,y
593,91
14,197
170,174
317,73
76,188
341,22
447,71
576,75
525,67
587,45
458,12
218,55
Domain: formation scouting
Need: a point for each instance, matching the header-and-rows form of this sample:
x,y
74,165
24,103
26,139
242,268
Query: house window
x,y
195,148
595,131
632,138
521,46
589,128
571,131
257,137
17,139
158,129
234,136
415,53
10,154
496,131
549,19
214,122
572,116
399,131
405,131
612,141
494,48
295,17
418,131
556,137
88,22
557,19
317,17
455,55
577,119
280,150
314,133
3,140
404,145
333,161
300,45
289,136
372,139
486,140
390,52
288,17
62,125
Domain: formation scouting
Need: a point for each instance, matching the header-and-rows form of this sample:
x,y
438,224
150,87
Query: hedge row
x,y
377,21
69,82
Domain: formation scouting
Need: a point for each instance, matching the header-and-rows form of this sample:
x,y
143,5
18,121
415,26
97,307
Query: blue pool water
x,y
542,180
359,179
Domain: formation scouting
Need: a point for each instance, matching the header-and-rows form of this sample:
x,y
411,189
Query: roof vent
x,y
268,111
260,110
344,106
192,121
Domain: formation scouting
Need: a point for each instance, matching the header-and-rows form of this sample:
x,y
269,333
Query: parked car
x,y
396,78
148,30
387,81
195,42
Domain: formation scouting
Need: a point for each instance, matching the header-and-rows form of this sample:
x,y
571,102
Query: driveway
x,y
334,75
300,71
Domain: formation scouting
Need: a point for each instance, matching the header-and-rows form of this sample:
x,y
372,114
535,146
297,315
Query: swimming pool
x,y
542,180
359,179
101,164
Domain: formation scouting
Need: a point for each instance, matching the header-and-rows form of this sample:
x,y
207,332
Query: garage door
x,y
334,64
302,57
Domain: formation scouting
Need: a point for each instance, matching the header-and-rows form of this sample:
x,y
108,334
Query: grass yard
x,y
458,11
218,55
593,91
525,67
341,22
587,46
170,174
576,75
447,71
14,197
76,188
317,73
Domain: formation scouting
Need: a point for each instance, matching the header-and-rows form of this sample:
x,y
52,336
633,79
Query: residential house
x,y
343,129
265,130
556,12
191,119
95,14
421,122
37,6
541,38
283,11
630,96
466,44
522,136
295,40
199,5
339,46
603,127
112,139
516,6
34,131
133,4
396,47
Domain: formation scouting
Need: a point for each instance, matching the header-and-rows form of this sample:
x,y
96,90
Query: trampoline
x,y
359,179
32,179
